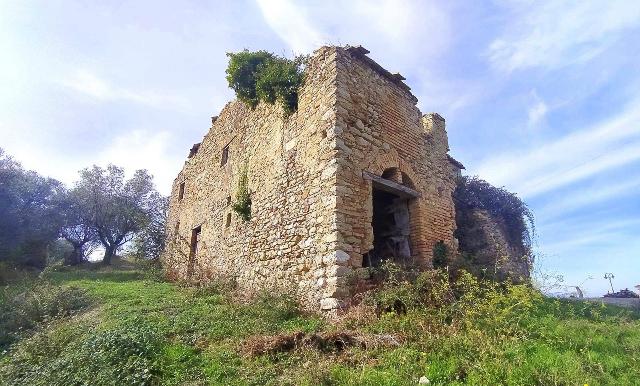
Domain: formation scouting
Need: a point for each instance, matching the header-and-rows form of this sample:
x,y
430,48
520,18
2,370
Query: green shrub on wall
x,y
440,255
263,76
475,193
242,205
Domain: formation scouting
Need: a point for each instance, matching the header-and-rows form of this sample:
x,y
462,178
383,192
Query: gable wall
x,y
284,243
381,127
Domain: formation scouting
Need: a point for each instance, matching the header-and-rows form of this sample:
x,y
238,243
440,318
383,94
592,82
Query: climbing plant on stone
x,y
473,192
242,204
263,76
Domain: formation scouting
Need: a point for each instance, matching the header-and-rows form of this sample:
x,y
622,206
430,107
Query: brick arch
x,y
390,159
377,165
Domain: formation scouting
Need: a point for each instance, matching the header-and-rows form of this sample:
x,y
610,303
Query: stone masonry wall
x,y
484,239
311,206
283,244
379,127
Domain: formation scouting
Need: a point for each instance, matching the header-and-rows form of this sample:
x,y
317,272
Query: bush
x,y
475,193
125,355
22,311
263,76
440,255
242,205
404,290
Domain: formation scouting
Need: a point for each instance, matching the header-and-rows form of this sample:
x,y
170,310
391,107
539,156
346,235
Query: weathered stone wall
x,y
283,244
484,240
311,205
380,128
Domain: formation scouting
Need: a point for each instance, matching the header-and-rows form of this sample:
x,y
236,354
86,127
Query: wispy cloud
x,y
568,159
581,198
144,149
88,83
537,111
292,24
553,33
392,25
571,234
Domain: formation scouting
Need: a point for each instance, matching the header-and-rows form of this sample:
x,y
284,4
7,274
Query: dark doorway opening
x,y
391,229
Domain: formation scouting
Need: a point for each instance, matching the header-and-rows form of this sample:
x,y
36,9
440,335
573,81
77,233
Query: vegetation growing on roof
x,y
262,76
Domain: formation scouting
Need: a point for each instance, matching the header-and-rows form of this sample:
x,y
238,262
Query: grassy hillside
x,y
124,326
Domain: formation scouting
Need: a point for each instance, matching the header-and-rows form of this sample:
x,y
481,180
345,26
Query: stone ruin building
x,y
356,176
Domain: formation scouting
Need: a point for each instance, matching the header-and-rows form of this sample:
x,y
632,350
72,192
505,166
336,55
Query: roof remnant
x,y
455,162
194,149
361,53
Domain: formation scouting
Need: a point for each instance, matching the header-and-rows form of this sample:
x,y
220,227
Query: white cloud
x,y
584,197
291,23
598,232
554,33
537,111
144,149
395,26
87,83
571,158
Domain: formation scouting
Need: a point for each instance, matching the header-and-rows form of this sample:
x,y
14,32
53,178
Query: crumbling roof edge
x,y
455,162
194,149
361,53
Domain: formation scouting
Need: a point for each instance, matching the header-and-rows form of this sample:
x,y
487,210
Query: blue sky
x,y
541,97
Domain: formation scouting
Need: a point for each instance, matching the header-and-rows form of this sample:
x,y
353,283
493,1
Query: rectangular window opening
x,y
225,156
195,240
181,192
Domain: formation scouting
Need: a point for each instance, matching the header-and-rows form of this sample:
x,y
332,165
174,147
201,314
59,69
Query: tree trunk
x,y
109,252
75,257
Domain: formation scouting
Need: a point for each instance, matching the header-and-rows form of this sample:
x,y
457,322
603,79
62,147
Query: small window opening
x,y
227,222
228,200
225,156
181,192
176,230
195,240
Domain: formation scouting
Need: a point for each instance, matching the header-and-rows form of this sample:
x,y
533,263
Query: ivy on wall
x,y
262,76
475,193
242,204
440,255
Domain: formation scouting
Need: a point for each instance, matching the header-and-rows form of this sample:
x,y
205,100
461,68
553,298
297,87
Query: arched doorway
x,y
391,193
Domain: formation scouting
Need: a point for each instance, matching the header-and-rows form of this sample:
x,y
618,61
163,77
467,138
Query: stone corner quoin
x,y
356,176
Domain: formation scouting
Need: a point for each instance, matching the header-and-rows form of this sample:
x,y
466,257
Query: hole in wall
x,y
181,191
195,240
391,230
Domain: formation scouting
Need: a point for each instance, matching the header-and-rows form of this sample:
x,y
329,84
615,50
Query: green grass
x,y
140,330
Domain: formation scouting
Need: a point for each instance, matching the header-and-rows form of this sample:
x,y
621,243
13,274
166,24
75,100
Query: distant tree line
x,y
101,209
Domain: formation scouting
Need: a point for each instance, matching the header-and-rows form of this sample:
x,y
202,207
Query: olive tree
x,y
118,208
150,242
29,214
77,228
